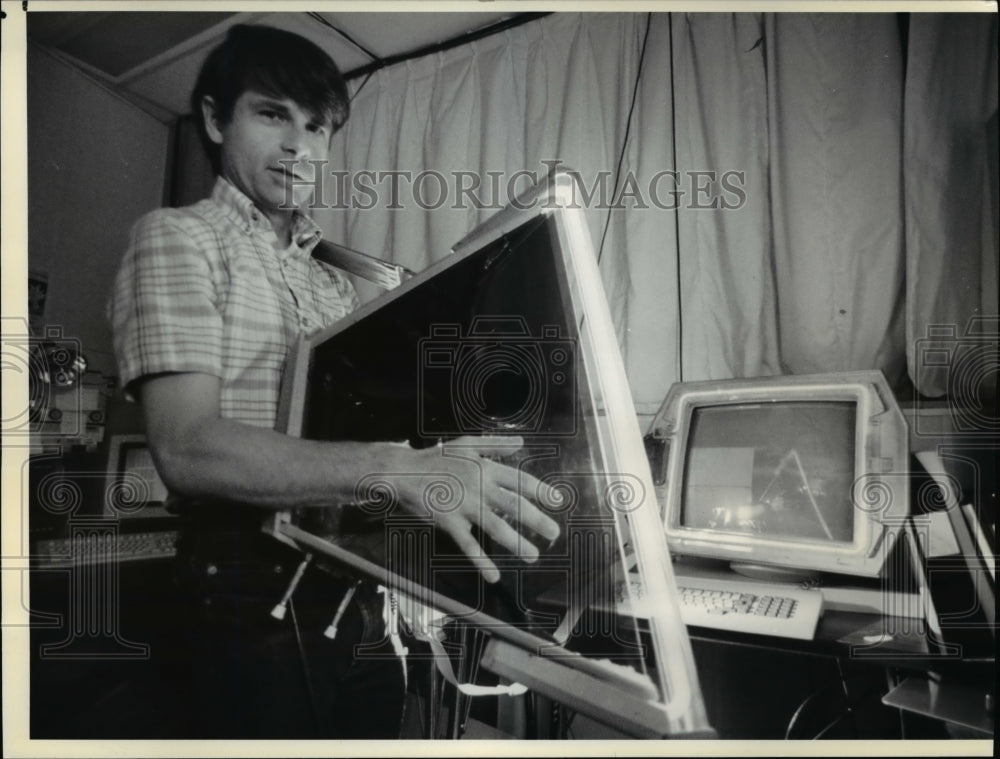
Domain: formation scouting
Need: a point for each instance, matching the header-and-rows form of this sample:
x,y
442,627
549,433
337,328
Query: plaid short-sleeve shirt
x,y
203,289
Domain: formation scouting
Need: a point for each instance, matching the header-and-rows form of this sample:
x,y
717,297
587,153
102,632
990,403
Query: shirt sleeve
x,y
163,309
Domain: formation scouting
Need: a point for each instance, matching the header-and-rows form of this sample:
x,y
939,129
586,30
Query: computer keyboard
x,y
95,549
738,606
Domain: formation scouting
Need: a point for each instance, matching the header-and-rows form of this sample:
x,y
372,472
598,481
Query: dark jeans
x,y
259,677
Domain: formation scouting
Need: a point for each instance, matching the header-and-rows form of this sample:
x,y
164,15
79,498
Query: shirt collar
x,y
306,233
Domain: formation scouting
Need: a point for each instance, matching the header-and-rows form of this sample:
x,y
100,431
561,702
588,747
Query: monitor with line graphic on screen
x,y
783,476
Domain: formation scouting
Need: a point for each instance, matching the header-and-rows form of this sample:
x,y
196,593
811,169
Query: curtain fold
x,y
951,207
728,302
498,114
798,192
835,102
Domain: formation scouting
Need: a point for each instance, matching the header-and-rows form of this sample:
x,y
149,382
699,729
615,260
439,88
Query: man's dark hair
x,y
275,63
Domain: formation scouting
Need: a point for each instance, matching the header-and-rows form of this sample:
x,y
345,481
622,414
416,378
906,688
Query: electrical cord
x,y
677,215
891,681
421,720
306,673
628,129
797,715
846,702
566,717
478,642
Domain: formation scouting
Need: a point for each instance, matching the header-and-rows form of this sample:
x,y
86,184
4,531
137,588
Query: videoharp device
x,y
509,335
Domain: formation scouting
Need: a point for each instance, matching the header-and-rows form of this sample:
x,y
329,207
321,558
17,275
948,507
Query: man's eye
x,y
267,113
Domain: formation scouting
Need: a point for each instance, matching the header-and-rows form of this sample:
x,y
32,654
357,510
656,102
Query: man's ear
x,y
213,124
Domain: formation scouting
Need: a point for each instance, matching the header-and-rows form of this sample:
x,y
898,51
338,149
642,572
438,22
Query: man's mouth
x,y
288,175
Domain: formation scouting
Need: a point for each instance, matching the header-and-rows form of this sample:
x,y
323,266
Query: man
x,y
207,302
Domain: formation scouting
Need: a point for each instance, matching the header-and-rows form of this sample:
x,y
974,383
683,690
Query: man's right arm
x,y
199,454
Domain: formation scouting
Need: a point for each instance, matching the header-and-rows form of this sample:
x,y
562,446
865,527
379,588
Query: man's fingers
x,y
526,513
500,480
526,485
537,520
471,548
508,537
517,493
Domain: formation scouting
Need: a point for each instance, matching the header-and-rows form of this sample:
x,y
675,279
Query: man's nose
x,y
294,141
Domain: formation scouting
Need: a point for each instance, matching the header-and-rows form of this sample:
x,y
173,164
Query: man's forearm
x,y
200,454
220,458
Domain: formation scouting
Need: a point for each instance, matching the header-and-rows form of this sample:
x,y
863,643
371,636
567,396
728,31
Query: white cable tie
x,y
278,612
331,631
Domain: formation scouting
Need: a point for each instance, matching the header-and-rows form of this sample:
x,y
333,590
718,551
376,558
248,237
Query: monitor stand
x,y
765,573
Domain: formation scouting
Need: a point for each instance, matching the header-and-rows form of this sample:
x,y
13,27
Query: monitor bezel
x,y
880,472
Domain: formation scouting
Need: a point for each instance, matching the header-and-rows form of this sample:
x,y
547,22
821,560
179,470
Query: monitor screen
x,y
490,345
802,472
781,470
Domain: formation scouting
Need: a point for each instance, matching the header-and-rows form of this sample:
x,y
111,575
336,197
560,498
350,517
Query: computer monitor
x,y
132,487
509,335
783,476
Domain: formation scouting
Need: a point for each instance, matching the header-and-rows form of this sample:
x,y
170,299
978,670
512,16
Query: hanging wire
x,y
306,671
677,213
628,129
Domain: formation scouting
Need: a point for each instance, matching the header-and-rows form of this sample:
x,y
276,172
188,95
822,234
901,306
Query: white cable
x,y
428,625
390,615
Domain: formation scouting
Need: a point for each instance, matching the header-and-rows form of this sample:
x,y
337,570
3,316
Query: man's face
x,y
265,147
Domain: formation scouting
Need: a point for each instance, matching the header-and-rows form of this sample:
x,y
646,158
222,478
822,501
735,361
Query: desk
x,y
766,688
845,635
939,673
838,683
860,660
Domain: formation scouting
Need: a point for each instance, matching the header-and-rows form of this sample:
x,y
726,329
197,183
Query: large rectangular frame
x,y
595,686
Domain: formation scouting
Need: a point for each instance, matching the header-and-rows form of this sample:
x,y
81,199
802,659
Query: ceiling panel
x,y
168,81
118,42
55,29
388,34
157,54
